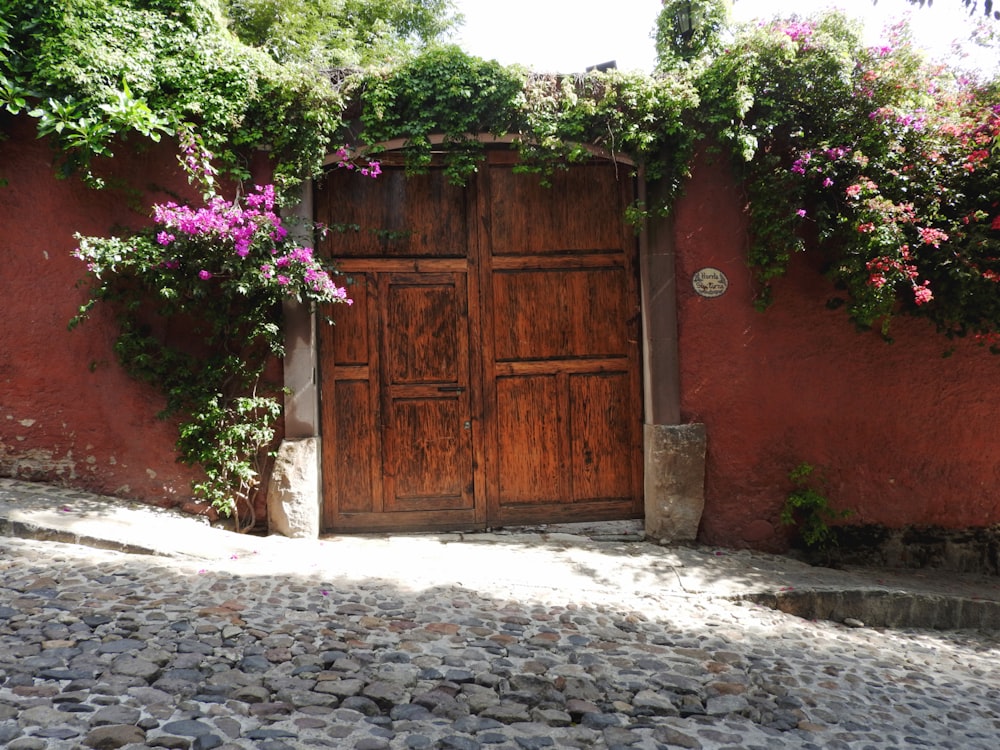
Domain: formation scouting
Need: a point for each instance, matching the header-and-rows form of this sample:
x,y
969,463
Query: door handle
x,y
451,388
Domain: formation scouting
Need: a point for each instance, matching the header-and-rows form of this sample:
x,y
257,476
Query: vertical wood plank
x,y
601,460
353,445
349,405
490,320
528,431
476,347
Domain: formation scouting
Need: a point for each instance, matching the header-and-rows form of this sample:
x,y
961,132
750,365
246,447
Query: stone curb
x,y
27,530
884,609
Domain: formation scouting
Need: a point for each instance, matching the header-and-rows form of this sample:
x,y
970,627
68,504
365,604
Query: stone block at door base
x,y
293,493
674,481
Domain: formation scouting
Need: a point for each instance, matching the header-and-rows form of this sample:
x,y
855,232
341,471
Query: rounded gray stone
x,y
187,728
121,646
113,737
27,743
115,715
42,716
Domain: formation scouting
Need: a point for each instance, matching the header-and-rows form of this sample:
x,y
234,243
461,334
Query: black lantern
x,y
684,20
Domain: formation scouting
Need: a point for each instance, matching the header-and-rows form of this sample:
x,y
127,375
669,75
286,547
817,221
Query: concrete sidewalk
x,y
601,562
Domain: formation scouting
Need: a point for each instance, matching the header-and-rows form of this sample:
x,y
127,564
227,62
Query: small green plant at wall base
x,y
809,509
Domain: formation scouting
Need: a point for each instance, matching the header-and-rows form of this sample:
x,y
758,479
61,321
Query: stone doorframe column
x,y
674,453
294,496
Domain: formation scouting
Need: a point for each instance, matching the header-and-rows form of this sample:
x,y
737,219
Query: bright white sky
x,y
568,35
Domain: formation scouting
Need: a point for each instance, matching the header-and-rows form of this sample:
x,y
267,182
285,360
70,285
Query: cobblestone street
x,y
103,650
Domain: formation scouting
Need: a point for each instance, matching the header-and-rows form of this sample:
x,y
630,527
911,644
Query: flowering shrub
x,y
221,269
888,165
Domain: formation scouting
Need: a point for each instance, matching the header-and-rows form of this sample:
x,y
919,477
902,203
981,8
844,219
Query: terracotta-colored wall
x,y
68,413
904,435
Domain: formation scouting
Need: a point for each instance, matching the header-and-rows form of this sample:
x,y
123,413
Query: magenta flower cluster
x,y
300,262
252,232
798,31
346,160
222,220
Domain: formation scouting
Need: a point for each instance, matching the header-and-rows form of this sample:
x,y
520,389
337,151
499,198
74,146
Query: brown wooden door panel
x,y
602,437
560,313
425,330
429,456
392,216
397,413
562,350
580,211
426,393
565,439
352,343
528,458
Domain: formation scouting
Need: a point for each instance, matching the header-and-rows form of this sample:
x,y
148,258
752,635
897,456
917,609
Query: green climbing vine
x,y
808,509
555,119
96,72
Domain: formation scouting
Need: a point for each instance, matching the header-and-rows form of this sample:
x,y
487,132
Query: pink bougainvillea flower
x,y
932,236
922,294
204,275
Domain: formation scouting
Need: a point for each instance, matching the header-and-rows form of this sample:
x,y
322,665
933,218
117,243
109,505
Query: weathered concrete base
x,y
675,481
293,497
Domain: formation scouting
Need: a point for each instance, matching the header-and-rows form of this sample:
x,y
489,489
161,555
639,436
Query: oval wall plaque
x,y
710,282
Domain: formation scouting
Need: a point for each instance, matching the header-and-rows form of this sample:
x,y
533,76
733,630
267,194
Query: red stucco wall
x,y
904,435
68,413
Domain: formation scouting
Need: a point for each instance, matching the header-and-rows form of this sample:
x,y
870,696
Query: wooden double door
x,y
487,373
